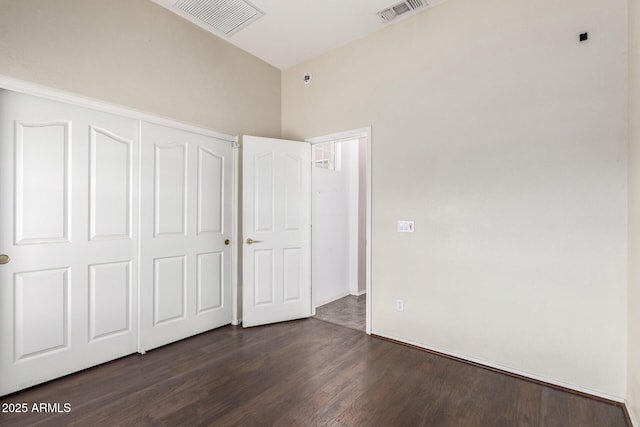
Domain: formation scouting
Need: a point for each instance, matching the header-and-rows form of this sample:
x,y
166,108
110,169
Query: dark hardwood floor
x,y
302,373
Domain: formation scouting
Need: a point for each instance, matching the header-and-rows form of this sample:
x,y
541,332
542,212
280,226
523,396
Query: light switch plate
x,y
405,226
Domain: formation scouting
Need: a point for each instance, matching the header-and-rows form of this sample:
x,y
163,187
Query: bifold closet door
x,y
185,254
68,239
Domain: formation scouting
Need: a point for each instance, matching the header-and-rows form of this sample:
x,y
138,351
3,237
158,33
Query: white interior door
x,y
185,256
276,255
68,288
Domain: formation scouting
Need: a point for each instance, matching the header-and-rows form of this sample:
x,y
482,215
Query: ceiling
x,y
292,31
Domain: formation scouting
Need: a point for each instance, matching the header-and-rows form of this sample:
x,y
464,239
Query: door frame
x,y
365,132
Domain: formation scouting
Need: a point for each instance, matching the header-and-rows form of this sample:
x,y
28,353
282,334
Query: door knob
x,y
226,242
250,241
4,259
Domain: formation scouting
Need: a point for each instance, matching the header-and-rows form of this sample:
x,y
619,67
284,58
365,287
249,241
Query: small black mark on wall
x,y
584,36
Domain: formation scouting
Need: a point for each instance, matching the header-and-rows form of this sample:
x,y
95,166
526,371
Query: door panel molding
x,y
110,173
110,296
170,189
36,332
42,157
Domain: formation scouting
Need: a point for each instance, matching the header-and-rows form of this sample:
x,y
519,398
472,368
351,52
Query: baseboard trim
x,y
336,298
588,394
357,294
631,420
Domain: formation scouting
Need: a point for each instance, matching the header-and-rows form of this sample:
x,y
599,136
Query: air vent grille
x,y
391,13
415,4
224,16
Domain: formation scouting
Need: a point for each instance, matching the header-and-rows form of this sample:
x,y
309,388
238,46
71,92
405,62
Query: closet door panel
x,y
68,293
185,259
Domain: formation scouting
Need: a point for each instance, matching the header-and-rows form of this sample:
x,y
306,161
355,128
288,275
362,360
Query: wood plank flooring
x,y
301,373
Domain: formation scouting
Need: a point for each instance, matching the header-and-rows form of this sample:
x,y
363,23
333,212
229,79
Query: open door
x,y
276,255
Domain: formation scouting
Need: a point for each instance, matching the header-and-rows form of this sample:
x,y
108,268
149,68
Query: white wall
x,y
335,227
633,379
505,139
137,54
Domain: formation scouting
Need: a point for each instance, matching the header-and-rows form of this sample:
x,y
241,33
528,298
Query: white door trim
x,y
236,244
341,136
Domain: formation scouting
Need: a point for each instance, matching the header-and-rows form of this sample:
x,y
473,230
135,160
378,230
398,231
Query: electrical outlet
x,y
399,305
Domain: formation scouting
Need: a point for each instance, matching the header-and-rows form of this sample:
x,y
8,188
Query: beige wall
x,y
504,138
137,54
633,381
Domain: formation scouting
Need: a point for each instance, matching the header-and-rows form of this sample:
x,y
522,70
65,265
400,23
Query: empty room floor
x,y
349,311
299,373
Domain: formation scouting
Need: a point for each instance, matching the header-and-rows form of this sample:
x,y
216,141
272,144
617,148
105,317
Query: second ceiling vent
x,y
395,11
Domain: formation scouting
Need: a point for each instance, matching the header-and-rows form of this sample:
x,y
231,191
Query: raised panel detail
x,y
210,191
110,188
169,289
263,277
109,299
41,312
264,192
170,186
210,282
42,182
292,274
292,192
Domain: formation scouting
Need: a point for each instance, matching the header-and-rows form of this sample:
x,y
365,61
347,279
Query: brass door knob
x,y
4,259
226,242
250,241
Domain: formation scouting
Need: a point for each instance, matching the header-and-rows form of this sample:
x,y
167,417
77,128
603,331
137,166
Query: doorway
x,y
341,216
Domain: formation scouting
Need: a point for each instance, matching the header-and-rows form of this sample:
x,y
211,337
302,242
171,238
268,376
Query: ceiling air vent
x,y
391,13
225,17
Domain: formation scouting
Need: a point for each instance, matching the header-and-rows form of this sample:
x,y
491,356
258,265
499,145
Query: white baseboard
x,y
517,372
357,294
632,416
341,295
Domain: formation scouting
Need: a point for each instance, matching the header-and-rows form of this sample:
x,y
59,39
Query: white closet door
x,y
68,294
186,220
